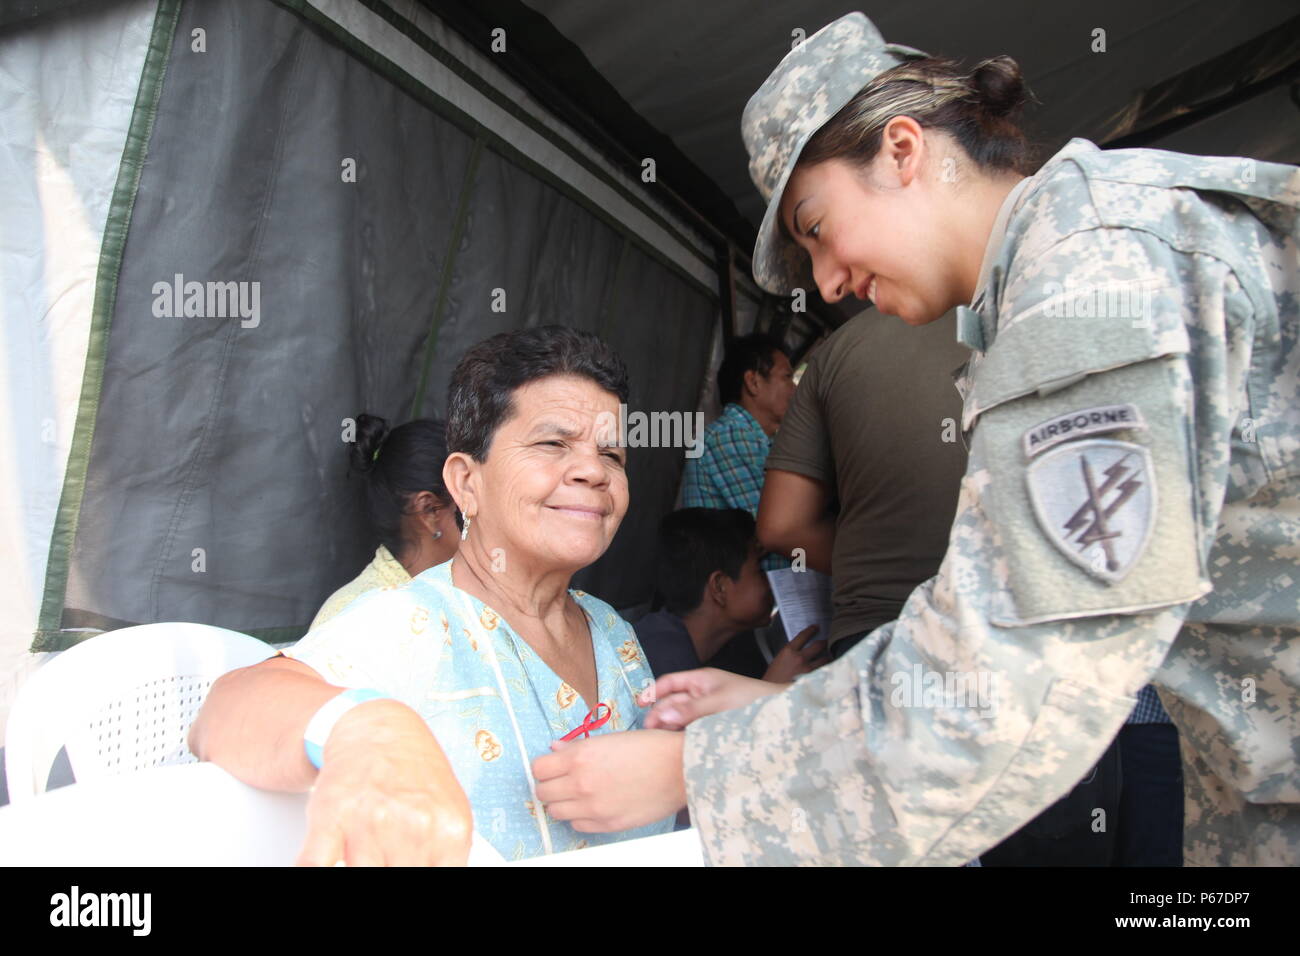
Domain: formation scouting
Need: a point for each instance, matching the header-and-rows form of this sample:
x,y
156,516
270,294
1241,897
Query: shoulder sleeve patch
x,y
1098,515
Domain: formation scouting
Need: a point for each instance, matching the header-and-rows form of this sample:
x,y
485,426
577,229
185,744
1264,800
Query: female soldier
x,y
1132,407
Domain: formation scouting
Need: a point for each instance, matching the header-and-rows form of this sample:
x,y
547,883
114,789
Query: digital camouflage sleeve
x,y
1130,514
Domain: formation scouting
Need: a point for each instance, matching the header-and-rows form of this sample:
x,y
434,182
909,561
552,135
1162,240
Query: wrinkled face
x,y
749,597
867,236
776,388
554,485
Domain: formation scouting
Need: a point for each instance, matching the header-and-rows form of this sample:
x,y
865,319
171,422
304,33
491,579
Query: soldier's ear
x,y
902,142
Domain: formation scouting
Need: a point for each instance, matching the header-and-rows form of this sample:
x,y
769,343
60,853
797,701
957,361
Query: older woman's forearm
x,y
253,721
385,793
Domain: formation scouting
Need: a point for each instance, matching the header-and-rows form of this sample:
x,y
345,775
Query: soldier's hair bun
x,y
976,108
999,85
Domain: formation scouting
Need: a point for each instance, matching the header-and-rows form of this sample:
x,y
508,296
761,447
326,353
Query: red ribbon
x,y
590,722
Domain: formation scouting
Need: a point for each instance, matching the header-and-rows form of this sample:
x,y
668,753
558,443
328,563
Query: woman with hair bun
x,y
1128,513
409,508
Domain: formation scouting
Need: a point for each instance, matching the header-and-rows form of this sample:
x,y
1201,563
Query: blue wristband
x,y
323,721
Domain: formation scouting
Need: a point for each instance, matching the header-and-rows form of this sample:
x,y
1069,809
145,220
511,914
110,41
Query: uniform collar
x,y
970,328
974,330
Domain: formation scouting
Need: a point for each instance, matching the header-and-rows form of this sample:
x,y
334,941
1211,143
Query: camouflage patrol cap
x,y
813,83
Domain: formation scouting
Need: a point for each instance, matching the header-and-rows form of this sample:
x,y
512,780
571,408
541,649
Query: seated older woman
x,y
476,666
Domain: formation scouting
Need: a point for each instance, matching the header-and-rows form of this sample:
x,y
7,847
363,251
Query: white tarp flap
x,y
67,89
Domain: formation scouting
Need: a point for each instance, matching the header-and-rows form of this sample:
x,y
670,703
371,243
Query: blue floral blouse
x,y
491,702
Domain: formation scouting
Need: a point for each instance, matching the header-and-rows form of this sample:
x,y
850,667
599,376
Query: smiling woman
x,y
478,665
533,460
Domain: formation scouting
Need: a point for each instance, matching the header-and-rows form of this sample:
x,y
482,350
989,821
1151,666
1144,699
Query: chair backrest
x,y
119,702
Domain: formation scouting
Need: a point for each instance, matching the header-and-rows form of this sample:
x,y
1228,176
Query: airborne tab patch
x,y
1080,424
1096,500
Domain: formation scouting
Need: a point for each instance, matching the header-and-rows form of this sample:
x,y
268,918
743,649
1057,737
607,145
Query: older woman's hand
x,y
386,795
613,781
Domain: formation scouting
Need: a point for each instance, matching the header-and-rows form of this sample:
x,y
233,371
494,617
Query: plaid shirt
x,y
729,471
1149,709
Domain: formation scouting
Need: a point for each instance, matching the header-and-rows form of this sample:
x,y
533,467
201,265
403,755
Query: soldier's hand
x,y
801,655
385,795
612,782
685,696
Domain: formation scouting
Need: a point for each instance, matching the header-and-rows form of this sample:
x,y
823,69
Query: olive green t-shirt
x,y
876,418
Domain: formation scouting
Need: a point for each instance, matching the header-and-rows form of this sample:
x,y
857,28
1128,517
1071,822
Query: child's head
x,y
709,556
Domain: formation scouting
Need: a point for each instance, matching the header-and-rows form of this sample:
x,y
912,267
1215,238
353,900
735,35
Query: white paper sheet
x,y
803,598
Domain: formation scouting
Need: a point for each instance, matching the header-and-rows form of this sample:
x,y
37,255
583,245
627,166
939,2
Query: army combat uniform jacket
x,y
1130,514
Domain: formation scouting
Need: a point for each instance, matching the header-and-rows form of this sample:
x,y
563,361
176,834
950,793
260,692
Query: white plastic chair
x,y
119,702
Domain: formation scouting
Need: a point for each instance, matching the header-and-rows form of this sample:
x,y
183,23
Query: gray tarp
x,y
218,445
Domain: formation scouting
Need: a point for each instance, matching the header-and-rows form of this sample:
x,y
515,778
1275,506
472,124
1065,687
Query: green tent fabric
x,y
318,211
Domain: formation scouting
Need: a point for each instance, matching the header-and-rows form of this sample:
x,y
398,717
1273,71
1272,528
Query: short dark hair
x,y
398,465
695,542
749,353
482,390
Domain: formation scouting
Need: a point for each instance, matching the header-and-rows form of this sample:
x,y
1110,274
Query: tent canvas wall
x,y
230,228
